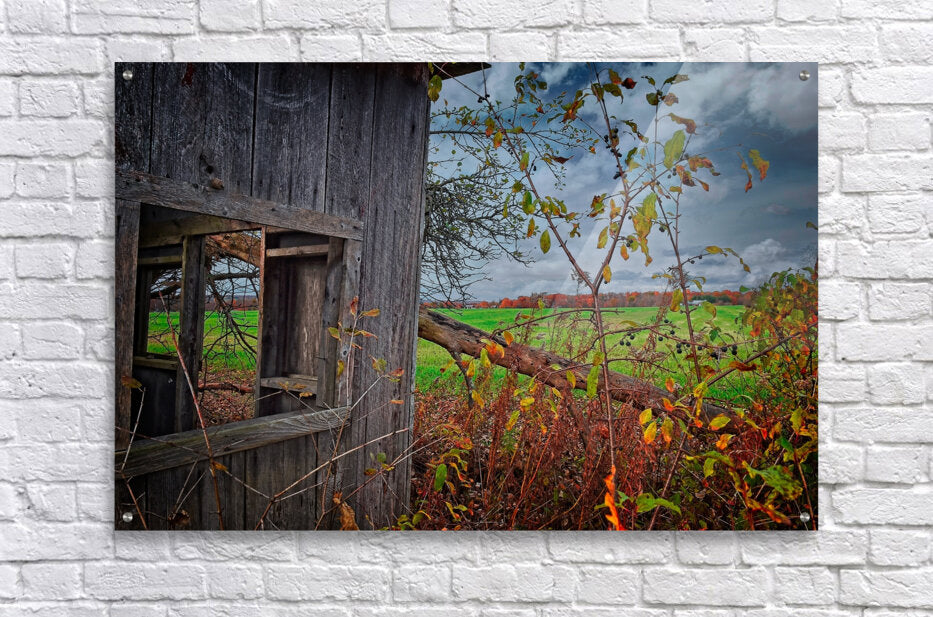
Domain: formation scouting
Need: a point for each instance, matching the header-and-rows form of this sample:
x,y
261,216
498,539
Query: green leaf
x,y
523,164
545,241
674,148
718,422
434,87
647,503
592,380
603,238
779,479
708,467
676,298
676,78
440,477
528,203
645,416
652,98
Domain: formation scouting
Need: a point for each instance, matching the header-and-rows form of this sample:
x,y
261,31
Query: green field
x,y
562,333
557,334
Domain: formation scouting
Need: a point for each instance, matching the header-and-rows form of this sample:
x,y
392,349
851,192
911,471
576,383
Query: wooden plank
x,y
168,193
127,232
190,330
172,231
299,251
330,316
132,115
395,210
161,260
187,447
169,364
291,383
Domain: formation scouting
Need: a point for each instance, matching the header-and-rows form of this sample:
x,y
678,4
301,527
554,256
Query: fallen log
x,y
549,368
225,385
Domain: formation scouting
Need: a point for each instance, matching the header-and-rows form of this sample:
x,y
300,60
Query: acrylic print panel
x,y
465,296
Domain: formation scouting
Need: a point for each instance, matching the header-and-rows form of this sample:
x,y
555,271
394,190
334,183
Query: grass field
x,y
561,334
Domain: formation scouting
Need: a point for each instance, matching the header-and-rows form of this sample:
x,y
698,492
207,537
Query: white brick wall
x,y
872,558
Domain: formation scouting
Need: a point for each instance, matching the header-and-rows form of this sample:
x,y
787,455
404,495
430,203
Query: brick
x,y
896,464
843,214
95,260
52,581
10,505
366,15
48,419
41,541
828,170
50,137
291,582
50,301
839,300
504,14
275,48
419,583
804,585
410,47
884,9
716,44
898,547
794,548
882,506
94,178
37,16
898,213
512,583
47,56
842,383
698,12
831,85
694,586
58,99
338,48
136,49
143,581
234,582
905,588
888,425
608,12
635,548
896,383
907,42
57,462
875,85
885,173
706,548
44,261
7,98
900,259
806,10
812,43
240,545
9,582
80,220
899,131
226,16
156,17
840,463
607,585
842,131
52,341
418,14
519,46
43,180
614,45
876,342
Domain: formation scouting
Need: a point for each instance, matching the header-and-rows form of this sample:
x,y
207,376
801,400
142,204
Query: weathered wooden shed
x,y
328,162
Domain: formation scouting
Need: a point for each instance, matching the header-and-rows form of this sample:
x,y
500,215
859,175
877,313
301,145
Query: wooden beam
x,y
299,251
161,260
169,364
187,447
169,193
170,232
297,383
127,233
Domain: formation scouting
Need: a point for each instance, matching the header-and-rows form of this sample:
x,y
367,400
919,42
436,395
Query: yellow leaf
x,y
607,273
718,422
371,313
669,384
219,466
651,432
507,337
477,398
724,441
645,416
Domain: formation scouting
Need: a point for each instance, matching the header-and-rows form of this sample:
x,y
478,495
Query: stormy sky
x,y
749,105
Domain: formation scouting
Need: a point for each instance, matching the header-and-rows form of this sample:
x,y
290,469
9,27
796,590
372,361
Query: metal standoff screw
x,y
804,517
127,517
804,75
128,75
